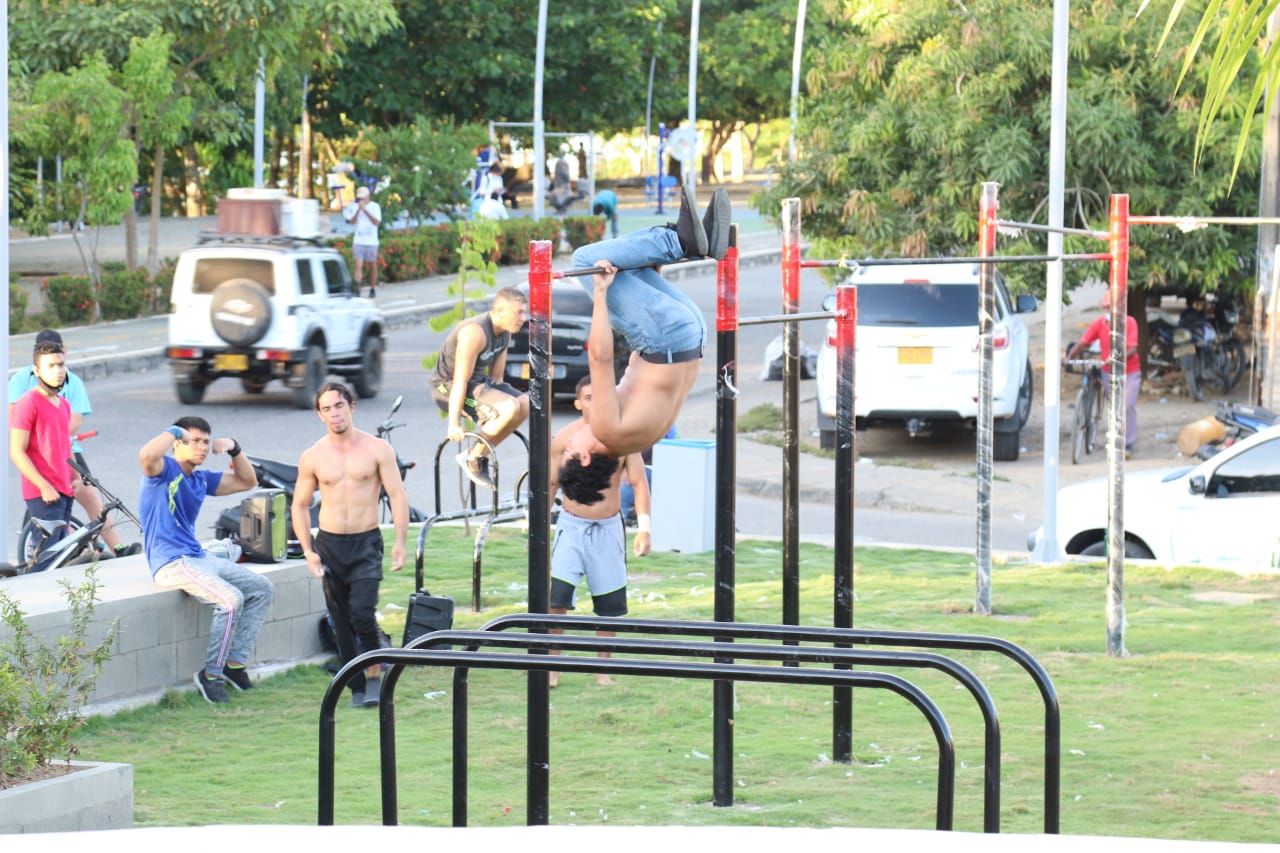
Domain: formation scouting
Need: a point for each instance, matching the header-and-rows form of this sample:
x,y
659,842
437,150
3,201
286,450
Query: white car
x,y
271,309
916,359
1220,513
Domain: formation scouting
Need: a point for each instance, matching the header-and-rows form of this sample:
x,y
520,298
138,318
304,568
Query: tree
x,y
473,60
426,163
77,114
911,105
1237,29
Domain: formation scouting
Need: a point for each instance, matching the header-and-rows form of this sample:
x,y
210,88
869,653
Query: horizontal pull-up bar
x,y
845,263
1190,223
1050,229
788,318
603,271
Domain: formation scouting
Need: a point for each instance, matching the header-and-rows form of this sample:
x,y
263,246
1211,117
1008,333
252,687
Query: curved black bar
x,y
478,549
966,642
681,669
805,654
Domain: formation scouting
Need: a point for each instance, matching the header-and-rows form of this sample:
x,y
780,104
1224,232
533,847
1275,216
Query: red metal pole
x,y
1119,292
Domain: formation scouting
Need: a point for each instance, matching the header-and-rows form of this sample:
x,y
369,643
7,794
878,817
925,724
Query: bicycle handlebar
x,y
81,436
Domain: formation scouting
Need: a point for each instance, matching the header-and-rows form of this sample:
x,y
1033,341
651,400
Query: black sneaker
x,y
129,550
689,228
210,689
477,469
716,223
372,692
237,678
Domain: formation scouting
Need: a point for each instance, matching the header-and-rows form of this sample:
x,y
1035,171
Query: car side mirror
x,y
1026,304
1196,484
829,302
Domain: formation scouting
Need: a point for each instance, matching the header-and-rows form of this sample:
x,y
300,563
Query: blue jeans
x,y
649,311
241,599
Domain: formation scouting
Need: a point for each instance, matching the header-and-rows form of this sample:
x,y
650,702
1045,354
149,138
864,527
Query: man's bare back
x,y
611,505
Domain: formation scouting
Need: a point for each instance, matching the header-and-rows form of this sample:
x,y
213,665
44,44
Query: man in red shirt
x,y
40,445
1100,330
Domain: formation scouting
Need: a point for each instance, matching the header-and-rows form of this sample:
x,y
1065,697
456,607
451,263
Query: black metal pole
x,y
842,606
538,752
791,414
726,506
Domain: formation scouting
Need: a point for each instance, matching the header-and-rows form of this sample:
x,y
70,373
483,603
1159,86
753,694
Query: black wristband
x,y
235,449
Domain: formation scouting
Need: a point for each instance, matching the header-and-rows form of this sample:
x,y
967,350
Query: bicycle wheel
x,y
1231,365
29,536
77,548
1093,427
1079,425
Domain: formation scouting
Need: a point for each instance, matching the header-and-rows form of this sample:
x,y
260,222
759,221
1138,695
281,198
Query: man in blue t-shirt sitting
x,y
173,489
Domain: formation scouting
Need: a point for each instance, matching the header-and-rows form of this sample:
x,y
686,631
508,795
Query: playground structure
x,y
724,653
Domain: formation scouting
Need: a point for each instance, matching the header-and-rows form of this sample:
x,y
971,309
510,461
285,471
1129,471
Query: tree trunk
x,y
131,238
304,147
278,149
193,194
157,187
720,134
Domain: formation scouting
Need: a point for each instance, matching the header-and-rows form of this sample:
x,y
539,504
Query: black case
x,y
263,528
427,612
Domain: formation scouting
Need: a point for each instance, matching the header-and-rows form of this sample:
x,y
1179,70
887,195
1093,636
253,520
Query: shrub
x,y
161,288
123,294
17,304
43,687
581,230
517,234
418,253
70,297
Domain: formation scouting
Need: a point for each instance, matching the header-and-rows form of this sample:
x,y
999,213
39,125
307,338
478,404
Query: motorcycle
x,y
278,475
1201,345
1237,421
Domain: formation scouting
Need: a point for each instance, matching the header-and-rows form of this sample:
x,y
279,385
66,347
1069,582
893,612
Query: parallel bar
x,y
1203,220
765,319
594,270
996,259
541,664
839,637
1051,229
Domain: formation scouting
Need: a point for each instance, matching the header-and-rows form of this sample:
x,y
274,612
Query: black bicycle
x,y
1087,425
81,545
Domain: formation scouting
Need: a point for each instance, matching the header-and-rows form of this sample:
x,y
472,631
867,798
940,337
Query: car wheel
x,y
253,384
1025,392
314,371
369,379
1005,446
240,311
1135,550
190,391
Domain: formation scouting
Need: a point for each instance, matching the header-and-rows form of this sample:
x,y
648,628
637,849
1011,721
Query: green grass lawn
x,y
1178,740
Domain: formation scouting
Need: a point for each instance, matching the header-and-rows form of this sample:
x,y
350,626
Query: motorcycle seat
x,y
287,473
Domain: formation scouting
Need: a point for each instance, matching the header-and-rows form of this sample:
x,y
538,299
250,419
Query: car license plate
x,y
915,355
557,371
1184,350
231,361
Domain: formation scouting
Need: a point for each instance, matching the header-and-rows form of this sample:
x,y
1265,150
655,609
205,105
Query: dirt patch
x,y
1226,597
37,774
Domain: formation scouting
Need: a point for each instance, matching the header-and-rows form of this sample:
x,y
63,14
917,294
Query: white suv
x,y
267,309
916,360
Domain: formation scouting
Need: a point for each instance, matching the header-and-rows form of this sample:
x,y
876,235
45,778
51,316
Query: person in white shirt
x,y
366,216
487,198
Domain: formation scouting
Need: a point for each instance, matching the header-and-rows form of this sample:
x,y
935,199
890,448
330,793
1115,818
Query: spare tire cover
x,y
240,311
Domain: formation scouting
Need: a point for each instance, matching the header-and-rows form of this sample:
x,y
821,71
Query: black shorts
x,y
351,557
482,400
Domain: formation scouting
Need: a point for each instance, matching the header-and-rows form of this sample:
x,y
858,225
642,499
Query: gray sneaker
x,y
372,692
689,228
716,224
357,699
210,689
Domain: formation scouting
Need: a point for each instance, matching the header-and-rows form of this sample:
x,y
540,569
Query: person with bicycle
x,y
1100,330
350,468
468,379
74,390
173,489
39,447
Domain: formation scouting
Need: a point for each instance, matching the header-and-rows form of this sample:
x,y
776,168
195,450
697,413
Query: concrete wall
x,y
163,633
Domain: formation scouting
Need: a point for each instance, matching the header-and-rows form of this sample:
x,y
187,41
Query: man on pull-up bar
x,y
664,328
